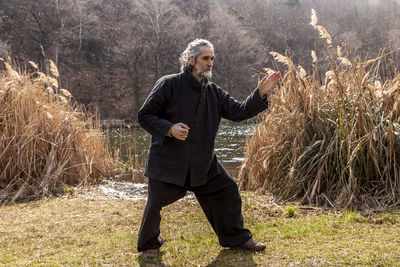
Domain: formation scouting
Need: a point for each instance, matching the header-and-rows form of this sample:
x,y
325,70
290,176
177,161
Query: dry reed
x,y
126,148
332,142
46,141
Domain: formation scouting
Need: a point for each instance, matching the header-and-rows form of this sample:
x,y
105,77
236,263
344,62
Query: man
x,y
182,113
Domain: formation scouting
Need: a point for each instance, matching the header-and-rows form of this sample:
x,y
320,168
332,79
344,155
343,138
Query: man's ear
x,y
192,61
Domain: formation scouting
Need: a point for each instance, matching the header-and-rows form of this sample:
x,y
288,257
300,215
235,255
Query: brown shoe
x,y
252,245
150,253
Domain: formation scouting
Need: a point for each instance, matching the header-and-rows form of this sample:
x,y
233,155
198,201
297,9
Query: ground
x,y
85,227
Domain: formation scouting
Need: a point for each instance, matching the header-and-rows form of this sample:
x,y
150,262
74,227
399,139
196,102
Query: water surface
x,y
132,145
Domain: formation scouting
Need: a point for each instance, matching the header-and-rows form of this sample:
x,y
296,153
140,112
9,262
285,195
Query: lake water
x,y
132,146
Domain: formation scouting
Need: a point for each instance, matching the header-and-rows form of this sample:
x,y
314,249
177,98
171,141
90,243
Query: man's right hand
x,y
180,131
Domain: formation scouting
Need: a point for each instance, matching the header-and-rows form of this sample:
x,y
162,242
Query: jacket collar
x,y
195,83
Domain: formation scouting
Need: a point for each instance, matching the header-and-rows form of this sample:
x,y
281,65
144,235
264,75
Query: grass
x,y
84,228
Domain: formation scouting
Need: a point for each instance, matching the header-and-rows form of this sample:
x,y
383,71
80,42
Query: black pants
x,y
219,199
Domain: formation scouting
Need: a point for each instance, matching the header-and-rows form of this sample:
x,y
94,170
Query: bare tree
x,y
110,52
239,53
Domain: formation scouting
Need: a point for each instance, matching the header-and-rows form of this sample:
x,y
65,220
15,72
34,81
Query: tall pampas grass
x,y
332,142
323,33
46,141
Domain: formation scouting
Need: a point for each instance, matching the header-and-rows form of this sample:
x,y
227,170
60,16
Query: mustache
x,y
205,70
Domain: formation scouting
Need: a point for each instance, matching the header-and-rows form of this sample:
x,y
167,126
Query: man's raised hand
x,y
180,131
268,83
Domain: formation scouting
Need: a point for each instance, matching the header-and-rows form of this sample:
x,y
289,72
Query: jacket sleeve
x,y
150,114
237,111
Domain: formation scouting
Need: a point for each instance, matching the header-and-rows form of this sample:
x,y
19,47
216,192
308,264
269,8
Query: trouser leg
x,y
222,205
160,195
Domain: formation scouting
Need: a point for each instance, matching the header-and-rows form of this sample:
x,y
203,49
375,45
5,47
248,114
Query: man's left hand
x,y
268,83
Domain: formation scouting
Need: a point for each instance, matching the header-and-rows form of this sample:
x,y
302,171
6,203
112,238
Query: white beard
x,y
205,73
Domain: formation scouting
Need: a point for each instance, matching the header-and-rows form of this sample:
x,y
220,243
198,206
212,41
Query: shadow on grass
x,y
227,257
151,262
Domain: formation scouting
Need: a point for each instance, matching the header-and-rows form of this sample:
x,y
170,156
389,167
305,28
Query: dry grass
x,y
332,141
87,229
128,147
46,141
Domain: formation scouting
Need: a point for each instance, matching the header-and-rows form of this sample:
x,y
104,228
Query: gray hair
x,y
192,51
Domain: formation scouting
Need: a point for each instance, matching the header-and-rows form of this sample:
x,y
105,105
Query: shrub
x,y
331,142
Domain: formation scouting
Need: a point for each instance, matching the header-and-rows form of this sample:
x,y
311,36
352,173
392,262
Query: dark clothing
x,y
182,98
174,166
219,199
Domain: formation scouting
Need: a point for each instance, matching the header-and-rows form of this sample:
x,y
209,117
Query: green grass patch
x,y
85,230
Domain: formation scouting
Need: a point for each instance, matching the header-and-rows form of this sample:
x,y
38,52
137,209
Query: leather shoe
x,y
252,245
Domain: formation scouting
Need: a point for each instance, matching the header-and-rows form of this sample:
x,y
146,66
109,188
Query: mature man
x,y
182,113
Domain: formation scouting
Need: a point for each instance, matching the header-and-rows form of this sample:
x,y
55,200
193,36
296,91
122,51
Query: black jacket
x,y
182,98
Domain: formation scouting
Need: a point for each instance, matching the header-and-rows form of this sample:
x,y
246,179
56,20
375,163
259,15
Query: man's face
x,y
202,65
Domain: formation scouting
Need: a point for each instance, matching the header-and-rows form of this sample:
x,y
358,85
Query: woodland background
x,y
110,52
